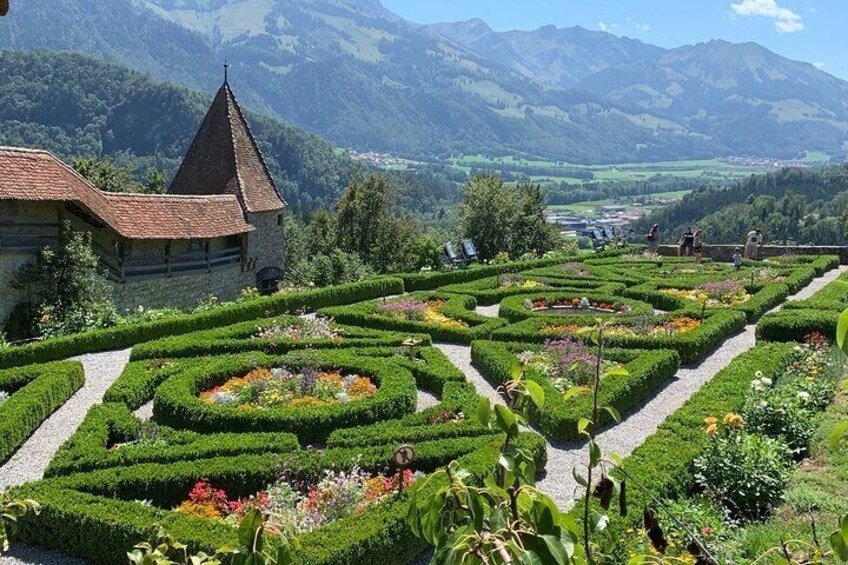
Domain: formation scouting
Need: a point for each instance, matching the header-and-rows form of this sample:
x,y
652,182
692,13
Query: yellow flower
x,y
710,420
732,419
711,429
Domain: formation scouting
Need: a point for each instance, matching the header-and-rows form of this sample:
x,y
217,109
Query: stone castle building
x,y
218,229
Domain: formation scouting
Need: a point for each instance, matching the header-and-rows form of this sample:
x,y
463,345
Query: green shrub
x,y
456,306
36,392
648,370
490,290
796,325
745,473
124,336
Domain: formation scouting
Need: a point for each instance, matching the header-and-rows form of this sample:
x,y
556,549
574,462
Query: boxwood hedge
x,y
692,346
489,290
242,337
177,403
796,325
456,306
558,418
36,392
264,307
514,308
662,464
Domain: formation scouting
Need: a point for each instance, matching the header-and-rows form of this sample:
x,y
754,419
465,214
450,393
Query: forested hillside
x,y
74,105
791,205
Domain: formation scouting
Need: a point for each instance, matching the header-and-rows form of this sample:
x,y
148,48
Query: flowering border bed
x,y
456,306
177,403
662,464
489,291
36,392
241,337
648,370
762,298
692,346
514,308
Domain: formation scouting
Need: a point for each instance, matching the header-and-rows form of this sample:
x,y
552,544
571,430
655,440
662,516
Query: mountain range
x,y
364,78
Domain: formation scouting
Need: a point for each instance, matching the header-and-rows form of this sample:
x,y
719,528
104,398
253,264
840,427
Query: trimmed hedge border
x,y
433,280
457,306
36,392
763,298
88,449
177,404
795,325
240,337
93,506
488,291
662,464
692,346
265,307
513,307
558,418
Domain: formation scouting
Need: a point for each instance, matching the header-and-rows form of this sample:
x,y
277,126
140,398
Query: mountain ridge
x,y
361,76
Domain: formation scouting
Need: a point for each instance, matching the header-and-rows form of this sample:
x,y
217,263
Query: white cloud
x,y
639,26
819,65
785,20
603,27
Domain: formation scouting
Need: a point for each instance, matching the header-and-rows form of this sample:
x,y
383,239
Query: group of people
x,y
691,244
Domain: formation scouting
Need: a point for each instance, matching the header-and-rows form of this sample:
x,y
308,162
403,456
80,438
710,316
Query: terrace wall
x,y
723,253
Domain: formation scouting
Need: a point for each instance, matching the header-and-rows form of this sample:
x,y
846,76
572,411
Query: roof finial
x,y
226,67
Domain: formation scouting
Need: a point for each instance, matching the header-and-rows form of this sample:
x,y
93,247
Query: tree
x,y
500,218
108,176
362,212
65,287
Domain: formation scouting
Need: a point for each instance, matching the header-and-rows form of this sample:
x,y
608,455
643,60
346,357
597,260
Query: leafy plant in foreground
x,y
10,511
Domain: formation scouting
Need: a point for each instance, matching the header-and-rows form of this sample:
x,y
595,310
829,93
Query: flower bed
x,y
558,419
273,336
178,402
554,304
31,395
444,316
691,337
280,387
492,290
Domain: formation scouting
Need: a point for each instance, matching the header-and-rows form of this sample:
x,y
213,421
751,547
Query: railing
x,y
27,237
156,267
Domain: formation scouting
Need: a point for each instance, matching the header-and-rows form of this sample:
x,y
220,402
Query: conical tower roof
x,y
224,159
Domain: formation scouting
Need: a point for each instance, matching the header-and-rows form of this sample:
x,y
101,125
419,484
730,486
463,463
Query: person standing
x,y
752,244
653,239
688,242
697,246
737,259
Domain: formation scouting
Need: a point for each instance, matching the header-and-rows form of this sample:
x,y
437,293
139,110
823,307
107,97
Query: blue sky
x,y
806,30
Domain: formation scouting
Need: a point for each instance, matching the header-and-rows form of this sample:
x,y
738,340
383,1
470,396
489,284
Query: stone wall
x,y
9,265
266,245
723,253
184,291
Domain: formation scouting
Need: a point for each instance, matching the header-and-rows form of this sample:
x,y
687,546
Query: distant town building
x,y
218,229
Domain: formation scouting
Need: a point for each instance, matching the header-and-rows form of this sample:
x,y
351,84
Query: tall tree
x,y
487,214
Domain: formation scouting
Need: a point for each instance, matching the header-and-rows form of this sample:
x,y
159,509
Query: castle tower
x,y
225,159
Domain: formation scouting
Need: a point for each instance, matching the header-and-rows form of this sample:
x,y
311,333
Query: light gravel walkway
x,y
30,461
643,420
426,400
488,311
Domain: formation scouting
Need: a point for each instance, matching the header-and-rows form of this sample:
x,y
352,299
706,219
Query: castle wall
x,y
266,245
184,291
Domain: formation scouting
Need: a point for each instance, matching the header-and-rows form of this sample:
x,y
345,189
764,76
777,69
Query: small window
x,y
279,219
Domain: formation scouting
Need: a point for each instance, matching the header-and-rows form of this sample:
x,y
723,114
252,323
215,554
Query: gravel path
x,y
488,311
28,464
426,400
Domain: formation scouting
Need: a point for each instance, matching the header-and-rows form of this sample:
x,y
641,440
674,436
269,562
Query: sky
x,y
806,30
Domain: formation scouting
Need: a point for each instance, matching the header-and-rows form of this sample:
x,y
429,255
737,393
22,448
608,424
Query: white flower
x,y
4,396
766,382
803,395
277,372
758,374
797,349
755,384
584,302
223,398
763,404
342,397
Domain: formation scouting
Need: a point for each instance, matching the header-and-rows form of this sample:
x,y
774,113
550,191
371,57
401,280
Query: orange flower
x,y
710,421
732,419
712,429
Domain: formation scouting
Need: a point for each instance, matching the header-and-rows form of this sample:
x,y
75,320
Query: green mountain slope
x,y
75,105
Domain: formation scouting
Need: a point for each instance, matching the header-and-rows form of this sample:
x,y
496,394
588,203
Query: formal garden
x,y
602,408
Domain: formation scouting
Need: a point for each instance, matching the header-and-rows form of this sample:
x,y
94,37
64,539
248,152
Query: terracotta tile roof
x,y
34,175
224,159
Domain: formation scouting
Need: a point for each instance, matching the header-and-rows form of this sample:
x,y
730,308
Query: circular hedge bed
x,y
178,403
557,304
